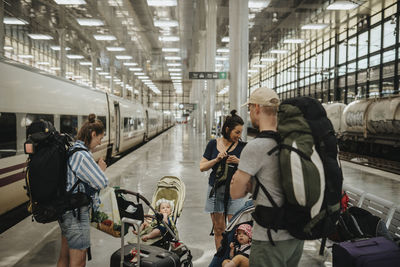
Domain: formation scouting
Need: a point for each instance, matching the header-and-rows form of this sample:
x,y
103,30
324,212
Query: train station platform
x,y
176,152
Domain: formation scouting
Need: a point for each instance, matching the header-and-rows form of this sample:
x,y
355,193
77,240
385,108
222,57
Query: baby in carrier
x,y
240,249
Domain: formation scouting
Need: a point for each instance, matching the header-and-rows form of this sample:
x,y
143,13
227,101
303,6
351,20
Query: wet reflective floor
x,y
177,152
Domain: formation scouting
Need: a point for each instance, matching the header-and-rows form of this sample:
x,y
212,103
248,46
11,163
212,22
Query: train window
x,y
8,134
69,125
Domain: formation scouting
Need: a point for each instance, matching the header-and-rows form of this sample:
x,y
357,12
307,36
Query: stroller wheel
x,y
187,263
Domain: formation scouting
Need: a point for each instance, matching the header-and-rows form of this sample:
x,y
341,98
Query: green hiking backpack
x,y
309,171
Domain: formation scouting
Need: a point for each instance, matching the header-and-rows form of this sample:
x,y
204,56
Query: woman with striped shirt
x,y
75,224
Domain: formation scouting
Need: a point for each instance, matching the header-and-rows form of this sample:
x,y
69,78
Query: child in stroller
x,y
240,249
154,230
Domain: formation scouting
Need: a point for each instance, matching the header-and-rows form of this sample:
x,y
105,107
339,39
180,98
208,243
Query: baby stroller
x,y
240,217
159,252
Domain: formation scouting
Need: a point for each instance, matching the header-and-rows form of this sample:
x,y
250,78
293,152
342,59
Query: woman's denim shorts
x,y
76,231
215,204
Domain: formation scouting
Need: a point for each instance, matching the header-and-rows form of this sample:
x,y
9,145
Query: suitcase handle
x,y
368,243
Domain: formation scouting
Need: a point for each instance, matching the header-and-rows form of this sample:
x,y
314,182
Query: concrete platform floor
x,y
176,152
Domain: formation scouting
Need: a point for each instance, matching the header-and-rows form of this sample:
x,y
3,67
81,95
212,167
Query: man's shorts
x,y
76,231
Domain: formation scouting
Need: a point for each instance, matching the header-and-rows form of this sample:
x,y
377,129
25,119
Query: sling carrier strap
x,y
242,252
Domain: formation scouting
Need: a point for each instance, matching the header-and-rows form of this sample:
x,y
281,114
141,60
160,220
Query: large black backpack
x,y
46,173
309,171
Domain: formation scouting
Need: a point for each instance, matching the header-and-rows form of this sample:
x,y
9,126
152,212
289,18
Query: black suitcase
x,y
373,252
150,256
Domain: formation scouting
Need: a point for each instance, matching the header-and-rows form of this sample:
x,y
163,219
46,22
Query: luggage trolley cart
x,y
147,255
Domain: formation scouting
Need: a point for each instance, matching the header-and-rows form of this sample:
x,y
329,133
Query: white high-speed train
x,y
27,94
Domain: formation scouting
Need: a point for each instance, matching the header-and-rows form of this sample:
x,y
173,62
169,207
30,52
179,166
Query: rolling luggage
x,y
373,252
150,256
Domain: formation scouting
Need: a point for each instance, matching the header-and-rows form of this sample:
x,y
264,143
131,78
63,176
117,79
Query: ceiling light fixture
x,y
70,2
314,26
75,56
90,22
166,23
259,66
135,69
252,71
268,59
39,36
122,57
115,49
174,64
168,38
294,41
161,3
25,56
102,37
174,69
166,49
130,64
221,58
258,4
14,21
278,51
173,58
139,73
43,63
57,48
223,50
342,5
8,48
225,39
85,63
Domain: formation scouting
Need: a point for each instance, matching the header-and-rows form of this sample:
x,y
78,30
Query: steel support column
x,y
2,32
211,7
238,57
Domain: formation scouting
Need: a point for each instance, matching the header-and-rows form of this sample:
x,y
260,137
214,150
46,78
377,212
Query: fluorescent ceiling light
x,y
252,71
85,63
225,39
108,77
40,36
90,22
166,23
135,69
122,57
136,92
25,56
174,69
221,58
258,4
130,64
43,63
161,3
173,58
168,38
219,65
58,48
143,77
55,68
139,73
342,5
70,2
8,48
259,66
294,41
314,26
101,37
14,21
98,68
278,51
75,56
175,74
174,64
170,49
103,73
268,59
176,78
115,49
223,50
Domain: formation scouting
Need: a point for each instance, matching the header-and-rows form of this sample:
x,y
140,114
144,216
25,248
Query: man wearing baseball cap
x,y
284,250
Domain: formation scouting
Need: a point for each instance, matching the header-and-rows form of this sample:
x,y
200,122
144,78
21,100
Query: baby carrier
x,y
240,217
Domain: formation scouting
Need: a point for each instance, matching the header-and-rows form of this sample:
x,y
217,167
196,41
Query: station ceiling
x,y
152,30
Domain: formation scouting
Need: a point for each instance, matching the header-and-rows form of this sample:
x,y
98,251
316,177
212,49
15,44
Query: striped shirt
x,y
87,170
